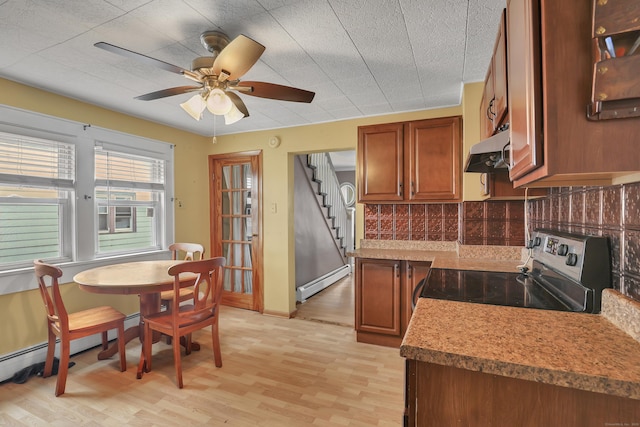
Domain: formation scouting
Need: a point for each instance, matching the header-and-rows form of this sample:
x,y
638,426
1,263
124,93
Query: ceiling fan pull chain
x,y
215,140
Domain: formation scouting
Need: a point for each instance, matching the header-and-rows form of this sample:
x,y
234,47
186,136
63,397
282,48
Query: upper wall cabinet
x,y
550,61
494,106
417,161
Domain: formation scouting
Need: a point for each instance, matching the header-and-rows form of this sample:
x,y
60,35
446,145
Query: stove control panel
x,y
561,252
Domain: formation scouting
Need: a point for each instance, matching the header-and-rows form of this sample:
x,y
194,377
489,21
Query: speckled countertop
x,y
443,254
585,351
593,352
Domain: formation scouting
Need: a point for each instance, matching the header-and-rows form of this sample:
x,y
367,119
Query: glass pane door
x,y
236,228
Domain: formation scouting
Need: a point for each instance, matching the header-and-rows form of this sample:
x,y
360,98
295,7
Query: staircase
x,y
330,197
324,183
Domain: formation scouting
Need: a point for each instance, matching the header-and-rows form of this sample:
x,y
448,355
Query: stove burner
x,y
569,273
487,287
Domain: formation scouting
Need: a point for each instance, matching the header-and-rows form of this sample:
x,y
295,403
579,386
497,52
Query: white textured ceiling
x,y
361,57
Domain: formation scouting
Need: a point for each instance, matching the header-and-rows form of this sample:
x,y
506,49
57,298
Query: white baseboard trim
x,y
308,289
13,362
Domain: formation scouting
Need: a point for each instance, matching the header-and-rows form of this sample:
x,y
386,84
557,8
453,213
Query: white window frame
x,y
81,230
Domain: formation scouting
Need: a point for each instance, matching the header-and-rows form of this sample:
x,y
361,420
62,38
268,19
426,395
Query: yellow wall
x,y
471,133
21,322
279,250
22,315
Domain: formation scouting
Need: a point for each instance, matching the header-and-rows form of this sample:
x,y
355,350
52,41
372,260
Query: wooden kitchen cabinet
x,y
550,62
498,187
415,161
494,105
437,394
383,298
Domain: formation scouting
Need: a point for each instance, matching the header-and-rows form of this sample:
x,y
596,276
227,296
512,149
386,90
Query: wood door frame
x,y
257,219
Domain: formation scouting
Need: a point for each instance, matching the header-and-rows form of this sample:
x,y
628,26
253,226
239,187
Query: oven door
x,y
489,287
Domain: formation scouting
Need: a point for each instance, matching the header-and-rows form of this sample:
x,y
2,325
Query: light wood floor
x,y
334,304
276,372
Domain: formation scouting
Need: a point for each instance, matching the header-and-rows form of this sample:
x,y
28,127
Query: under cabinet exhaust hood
x,y
490,155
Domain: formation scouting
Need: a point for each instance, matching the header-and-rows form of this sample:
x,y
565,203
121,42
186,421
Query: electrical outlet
x,y
274,208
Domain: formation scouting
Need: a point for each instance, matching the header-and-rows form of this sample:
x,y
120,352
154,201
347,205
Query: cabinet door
x,y
378,296
414,272
525,109
380,162
435,170
499,69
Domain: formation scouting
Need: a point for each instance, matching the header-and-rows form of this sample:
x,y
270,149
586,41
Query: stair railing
x,y
325,174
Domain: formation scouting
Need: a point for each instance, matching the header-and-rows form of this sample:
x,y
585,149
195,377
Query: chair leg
x,y
176,360
217,354
167,304
105,340
63,368
121,347
187,344
51,349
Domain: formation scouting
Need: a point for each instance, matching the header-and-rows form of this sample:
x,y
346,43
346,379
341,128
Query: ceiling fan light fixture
x,y
194,106
233,115
218,102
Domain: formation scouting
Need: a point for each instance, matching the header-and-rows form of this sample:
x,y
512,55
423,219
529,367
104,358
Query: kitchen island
x,y
480,365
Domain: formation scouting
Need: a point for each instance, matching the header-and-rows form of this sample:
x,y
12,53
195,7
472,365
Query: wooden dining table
x,y
147,279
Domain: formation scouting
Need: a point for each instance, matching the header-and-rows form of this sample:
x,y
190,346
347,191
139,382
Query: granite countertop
x,y
593,352
443,254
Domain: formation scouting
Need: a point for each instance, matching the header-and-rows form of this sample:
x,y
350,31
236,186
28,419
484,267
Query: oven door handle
x,y
416,291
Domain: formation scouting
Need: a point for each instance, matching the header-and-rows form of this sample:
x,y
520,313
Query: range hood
x,y
489,155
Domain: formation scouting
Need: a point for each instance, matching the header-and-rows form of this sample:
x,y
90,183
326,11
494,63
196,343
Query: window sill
x,y
23,279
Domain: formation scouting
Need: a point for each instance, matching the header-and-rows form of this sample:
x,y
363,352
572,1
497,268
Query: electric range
x,y
568,273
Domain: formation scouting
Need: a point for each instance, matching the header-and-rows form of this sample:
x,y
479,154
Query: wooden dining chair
x,y
185,251
71,326
184,319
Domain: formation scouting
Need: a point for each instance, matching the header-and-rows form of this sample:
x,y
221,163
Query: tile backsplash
x,y
613,212
433,222
472,223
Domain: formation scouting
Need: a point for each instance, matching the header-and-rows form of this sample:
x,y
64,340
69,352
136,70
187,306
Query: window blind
x,y
122,170
36,162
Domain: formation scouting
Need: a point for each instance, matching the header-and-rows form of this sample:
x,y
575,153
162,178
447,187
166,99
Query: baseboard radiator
x,y
13,362
308,289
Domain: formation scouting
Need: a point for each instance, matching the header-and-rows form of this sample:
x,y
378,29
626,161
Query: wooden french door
x,y
236,226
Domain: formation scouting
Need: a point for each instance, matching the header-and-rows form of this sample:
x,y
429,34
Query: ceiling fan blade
x,y
144,58
168,92
238,103
274,91
238,57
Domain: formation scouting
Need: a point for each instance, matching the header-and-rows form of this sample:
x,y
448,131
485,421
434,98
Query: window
x,y
37,178
129,191
75,194
116,219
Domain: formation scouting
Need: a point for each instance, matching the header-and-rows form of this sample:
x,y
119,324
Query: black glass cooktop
x,y
488,287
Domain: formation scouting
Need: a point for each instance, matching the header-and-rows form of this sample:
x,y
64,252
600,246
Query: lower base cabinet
x,y
439,395
383,294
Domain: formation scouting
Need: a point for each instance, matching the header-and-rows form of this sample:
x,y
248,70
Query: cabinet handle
x,y
400,189
397,270
490,113
413,190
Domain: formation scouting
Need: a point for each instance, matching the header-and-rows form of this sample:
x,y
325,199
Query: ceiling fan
x,y
217,76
